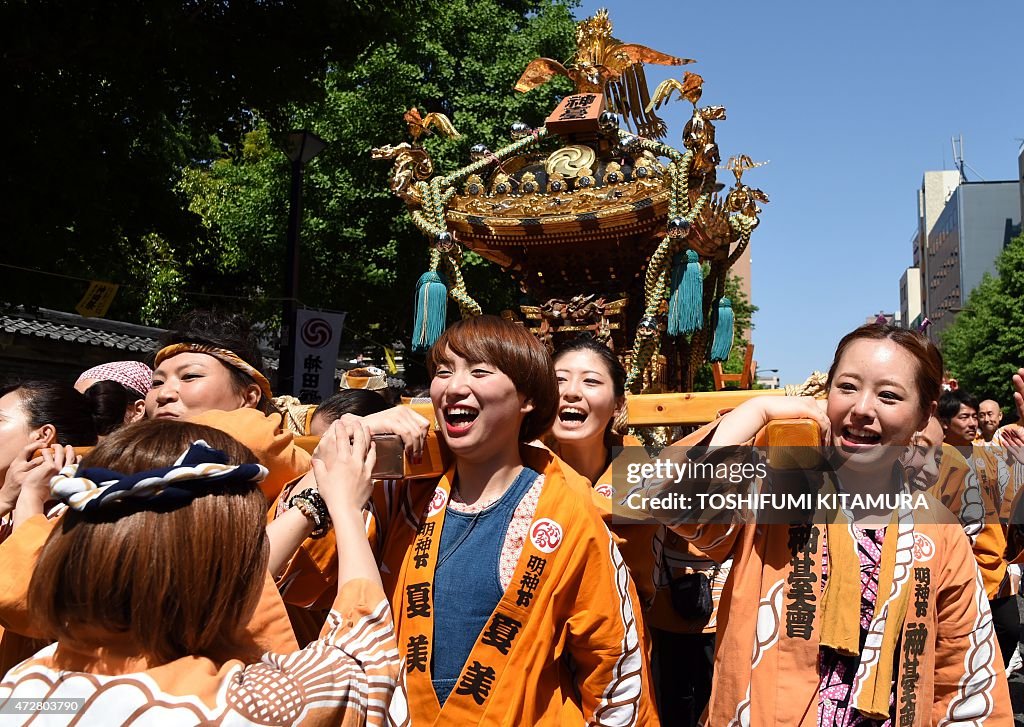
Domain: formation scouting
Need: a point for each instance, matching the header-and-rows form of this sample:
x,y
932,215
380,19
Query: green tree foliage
x,y
108,100
985,344
359,250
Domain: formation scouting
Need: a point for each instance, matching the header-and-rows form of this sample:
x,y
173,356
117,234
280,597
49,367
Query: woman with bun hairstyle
x,y
40,422
877,616
36,416
512,603
591,397
118,386
592,400
157,568
116,403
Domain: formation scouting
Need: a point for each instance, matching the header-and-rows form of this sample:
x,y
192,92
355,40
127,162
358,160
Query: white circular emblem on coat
x,y
924,548
437,502
546,535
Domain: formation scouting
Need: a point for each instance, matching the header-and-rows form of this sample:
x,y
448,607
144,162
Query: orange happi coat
x,y
1016,469
969,495
656,555
677,557
946,669
766,663
995,476
635,540
273,446
563,646
308,583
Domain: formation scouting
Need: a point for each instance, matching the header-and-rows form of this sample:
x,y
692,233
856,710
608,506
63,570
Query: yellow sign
x,y
97,299
389,356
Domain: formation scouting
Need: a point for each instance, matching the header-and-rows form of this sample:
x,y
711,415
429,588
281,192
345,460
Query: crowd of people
x,y
172,554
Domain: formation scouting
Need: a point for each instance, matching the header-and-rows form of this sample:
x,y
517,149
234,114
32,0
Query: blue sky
x,y
851,103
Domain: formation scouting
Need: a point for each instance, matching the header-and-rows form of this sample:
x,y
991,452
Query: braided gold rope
x,y
620,425
512,149
743,224
434,204
655,147
431,219
658,278
814,386
424,225
467,306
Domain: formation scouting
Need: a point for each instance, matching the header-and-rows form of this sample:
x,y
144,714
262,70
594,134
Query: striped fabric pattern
x,y
345,678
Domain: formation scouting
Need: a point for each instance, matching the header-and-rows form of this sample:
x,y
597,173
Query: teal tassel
x,y
723,331
431,311
684,305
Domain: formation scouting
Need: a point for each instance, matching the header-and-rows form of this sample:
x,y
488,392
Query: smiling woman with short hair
x,y
501,574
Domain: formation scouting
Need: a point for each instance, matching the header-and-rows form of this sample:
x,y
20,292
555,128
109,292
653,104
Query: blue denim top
x,y
466,584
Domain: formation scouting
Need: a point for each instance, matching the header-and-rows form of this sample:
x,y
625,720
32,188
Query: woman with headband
x,y
207,363
218,392
208,371
138,641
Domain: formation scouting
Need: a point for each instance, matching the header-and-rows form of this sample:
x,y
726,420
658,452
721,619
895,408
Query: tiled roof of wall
x,y
58,326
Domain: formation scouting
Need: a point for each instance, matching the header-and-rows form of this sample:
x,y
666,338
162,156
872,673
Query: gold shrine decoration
x,y
690,89
744,199
582,313
570,160
582,212
420,125
411,162
578,114
605,65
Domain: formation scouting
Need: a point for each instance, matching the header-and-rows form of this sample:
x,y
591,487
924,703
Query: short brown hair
x,y
516,352
928,378
173,582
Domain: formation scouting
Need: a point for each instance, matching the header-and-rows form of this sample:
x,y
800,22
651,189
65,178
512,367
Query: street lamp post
x,y
301,146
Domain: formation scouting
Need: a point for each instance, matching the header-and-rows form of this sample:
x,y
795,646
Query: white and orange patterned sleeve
x,y
605,632
715,539
347,677
970,684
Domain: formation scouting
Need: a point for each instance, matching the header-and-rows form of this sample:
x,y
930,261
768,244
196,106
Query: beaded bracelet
x,y
312,505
